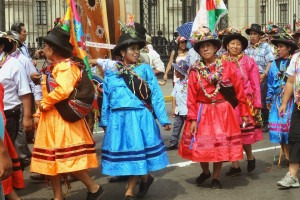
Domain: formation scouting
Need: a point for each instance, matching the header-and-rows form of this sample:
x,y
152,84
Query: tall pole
x,y
2,15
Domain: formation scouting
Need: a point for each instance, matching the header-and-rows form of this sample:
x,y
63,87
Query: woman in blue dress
x,y
132,100
279,124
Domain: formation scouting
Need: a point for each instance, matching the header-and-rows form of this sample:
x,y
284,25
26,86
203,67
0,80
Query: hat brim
x,y
215,42
239,37
293,46
248,30
117,49
177,68
54,40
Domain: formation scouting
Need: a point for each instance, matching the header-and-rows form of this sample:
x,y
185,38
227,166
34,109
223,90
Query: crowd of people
x,y
228,90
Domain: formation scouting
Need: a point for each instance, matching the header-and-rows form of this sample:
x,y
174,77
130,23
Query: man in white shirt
x,y
17,94
19,27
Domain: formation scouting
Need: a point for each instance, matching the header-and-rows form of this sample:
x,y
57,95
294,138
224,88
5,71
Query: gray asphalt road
x,y
177,183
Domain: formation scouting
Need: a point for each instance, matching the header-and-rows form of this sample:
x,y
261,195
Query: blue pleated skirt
x,y
132,144
279,126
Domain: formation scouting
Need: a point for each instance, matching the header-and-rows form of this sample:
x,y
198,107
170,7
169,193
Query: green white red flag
x,y
209,14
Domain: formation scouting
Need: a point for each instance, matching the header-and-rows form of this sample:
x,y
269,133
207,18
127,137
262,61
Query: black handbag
x,y
79,103
229,94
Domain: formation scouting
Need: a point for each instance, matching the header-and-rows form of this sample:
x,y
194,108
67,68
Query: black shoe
x,y
115,179
251,165
171,147
145,186
38,177
215,183
128,197
96,195
234,172
202,178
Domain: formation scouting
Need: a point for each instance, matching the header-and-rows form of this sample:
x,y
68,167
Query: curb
x,y
168,98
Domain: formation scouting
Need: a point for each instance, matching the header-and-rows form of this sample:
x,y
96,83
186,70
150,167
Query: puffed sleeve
x,y
66,77
270,92
105,110
239,90
255,83
192,96
157,97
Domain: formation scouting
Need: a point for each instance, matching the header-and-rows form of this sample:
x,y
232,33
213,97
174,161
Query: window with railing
x,y
41,12
283,14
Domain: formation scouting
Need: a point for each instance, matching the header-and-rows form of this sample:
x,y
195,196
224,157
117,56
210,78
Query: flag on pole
x,y
73,25
209,14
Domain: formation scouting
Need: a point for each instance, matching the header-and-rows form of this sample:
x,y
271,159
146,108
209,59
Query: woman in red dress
x,y
213,133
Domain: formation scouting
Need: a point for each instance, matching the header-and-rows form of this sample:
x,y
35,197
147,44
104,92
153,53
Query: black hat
x,y
126,40
256,28
234,36
7,41
285,39
59,38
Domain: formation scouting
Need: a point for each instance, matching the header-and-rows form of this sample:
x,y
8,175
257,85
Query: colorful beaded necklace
x,y
212,78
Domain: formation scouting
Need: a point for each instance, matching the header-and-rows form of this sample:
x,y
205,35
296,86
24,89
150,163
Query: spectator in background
x,y
19,27
154,58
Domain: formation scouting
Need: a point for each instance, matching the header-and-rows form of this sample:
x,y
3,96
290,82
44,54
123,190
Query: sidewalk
x,y
167,90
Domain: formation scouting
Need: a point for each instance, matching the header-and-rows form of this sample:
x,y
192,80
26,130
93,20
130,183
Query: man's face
x,y
254,37
23,34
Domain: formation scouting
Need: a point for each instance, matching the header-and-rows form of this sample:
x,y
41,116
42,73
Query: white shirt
x,y
155,61
180,94
24,51
30,69
15,83
294,70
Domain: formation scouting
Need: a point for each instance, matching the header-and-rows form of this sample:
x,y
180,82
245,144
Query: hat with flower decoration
x,y
129,36
182,67
232,34
297,25
203,34
271,28
285,38
7,41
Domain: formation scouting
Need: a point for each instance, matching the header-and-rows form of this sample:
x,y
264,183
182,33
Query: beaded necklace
x,y
212,78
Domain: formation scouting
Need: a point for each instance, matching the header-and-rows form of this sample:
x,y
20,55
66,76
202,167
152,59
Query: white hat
x,y
148,39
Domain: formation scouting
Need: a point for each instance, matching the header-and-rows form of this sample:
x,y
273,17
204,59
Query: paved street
x,y
177,183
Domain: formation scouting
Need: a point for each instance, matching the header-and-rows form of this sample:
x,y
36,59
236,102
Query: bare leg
x,y
86,180
236,164
56,187
131,185
248,151
293,168
205,167
12,196
217,170
285,149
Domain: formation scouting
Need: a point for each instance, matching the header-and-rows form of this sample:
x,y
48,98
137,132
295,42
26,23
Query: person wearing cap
x,y
212,132
179,109
132,145
246,70
180,53
62,147
279,124
17,94
21,140
261,52
292,88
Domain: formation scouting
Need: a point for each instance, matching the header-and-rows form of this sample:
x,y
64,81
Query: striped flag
x,y
73,25
209,14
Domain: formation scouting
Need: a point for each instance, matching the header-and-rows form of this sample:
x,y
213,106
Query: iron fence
x,y
37,15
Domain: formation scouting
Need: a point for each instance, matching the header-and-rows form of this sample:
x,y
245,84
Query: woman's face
x,y
182,45
131,54
235,47
48,51
283,50
207,50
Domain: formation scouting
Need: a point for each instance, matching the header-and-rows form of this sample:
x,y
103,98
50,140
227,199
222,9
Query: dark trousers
x,y
177,126
263,93
12,122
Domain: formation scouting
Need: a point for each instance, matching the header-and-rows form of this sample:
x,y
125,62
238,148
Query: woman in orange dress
x,y
62,147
